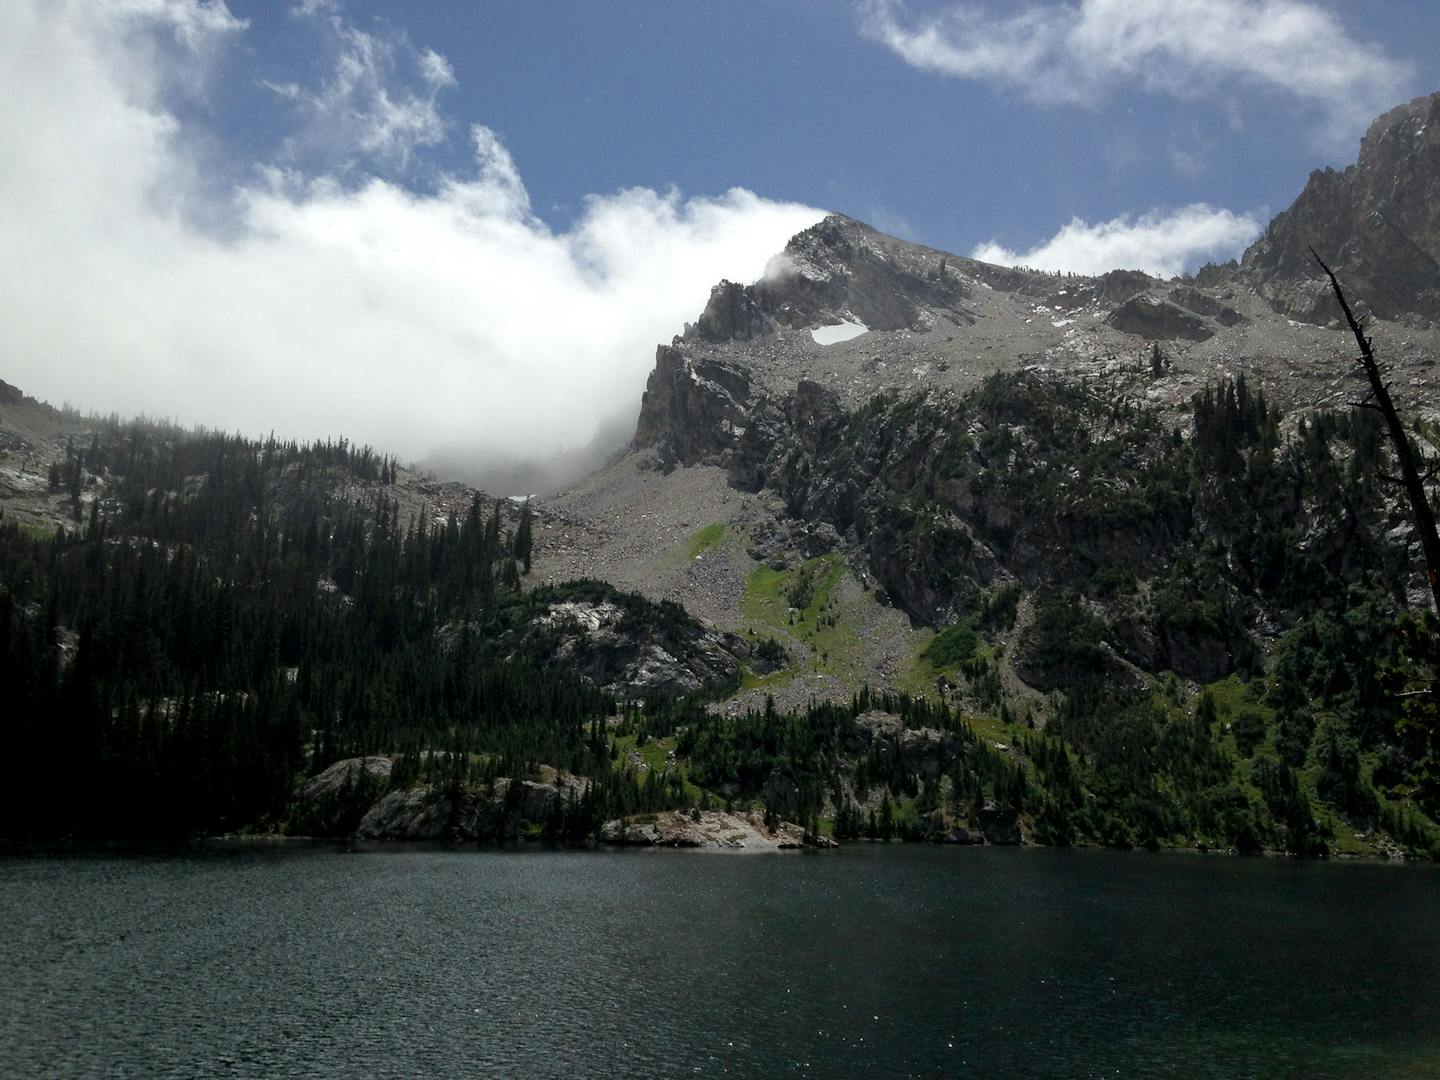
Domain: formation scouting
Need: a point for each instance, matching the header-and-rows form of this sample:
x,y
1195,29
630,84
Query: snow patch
x,y
838,332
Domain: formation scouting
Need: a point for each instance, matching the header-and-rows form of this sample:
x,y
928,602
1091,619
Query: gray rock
x,y
707,829
960,834
332,802
1158,320
635,653
418,814
1377,223
1203,304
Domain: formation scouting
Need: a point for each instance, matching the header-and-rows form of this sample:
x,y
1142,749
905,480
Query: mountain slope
x,y
1100,484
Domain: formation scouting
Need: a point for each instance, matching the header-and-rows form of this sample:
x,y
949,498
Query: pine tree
x,y
524,539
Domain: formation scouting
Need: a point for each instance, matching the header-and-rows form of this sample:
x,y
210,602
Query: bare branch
x,y
1420,509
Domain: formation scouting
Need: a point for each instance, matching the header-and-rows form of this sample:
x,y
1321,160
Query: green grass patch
x,y
707,539
1242,723
992,728
1345,842
802,603
750,681
37,531
656,755
942,655
794,598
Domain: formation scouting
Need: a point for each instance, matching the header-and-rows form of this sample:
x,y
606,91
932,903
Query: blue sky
x,y
464,226
795,100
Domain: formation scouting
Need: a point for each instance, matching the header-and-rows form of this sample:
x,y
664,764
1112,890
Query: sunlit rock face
x,y
1377,223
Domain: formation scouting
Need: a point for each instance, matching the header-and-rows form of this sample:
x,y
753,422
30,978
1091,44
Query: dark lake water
x,y
305,961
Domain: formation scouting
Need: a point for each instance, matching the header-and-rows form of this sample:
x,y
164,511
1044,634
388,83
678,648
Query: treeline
x,y
233,614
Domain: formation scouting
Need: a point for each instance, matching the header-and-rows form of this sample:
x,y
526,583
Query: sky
x,y
465,225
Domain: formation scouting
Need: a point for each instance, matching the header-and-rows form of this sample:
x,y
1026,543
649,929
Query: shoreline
x,y
83,848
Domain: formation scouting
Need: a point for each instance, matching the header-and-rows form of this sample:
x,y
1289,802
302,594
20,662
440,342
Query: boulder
x,y
1158,320
332,802
419,814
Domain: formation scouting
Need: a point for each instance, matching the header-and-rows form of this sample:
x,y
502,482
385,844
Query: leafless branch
x,y
1420,509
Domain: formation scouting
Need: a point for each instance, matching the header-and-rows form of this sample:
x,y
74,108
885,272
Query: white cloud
x,y
196,24
435,69
329,303
369,105
1158,243
1081,52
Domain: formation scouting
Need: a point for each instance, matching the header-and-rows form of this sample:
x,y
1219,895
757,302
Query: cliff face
x,y
1377,223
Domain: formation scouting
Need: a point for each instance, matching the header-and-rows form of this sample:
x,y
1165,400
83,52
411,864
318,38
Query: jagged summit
x,y
1377,222
841,269
838,269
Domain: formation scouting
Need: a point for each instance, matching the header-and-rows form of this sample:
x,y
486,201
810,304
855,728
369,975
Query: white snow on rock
x,y
841,331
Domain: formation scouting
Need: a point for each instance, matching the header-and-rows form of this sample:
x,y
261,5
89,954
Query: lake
x,y
299,960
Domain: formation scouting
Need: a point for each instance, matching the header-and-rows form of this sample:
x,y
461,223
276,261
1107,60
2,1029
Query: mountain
x,y
1097,484
904,544
1377,222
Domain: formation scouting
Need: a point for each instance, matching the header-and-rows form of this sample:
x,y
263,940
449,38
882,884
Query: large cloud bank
x,y
326,301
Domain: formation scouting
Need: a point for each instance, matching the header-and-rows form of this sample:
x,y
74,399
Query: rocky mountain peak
x,y
837,270
1377,222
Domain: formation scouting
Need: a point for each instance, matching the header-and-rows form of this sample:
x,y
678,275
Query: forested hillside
x,y
223,618
219,623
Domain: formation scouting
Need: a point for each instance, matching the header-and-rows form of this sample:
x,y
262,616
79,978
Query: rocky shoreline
x,y
353,798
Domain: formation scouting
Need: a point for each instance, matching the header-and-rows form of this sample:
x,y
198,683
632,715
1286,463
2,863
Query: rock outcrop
x,y
1000,825
1204,304
693,408
707,829
352,798
417,814
333,802
1377,223
630,646
1159,320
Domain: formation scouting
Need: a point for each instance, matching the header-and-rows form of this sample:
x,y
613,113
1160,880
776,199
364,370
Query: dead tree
x,y
1410,478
